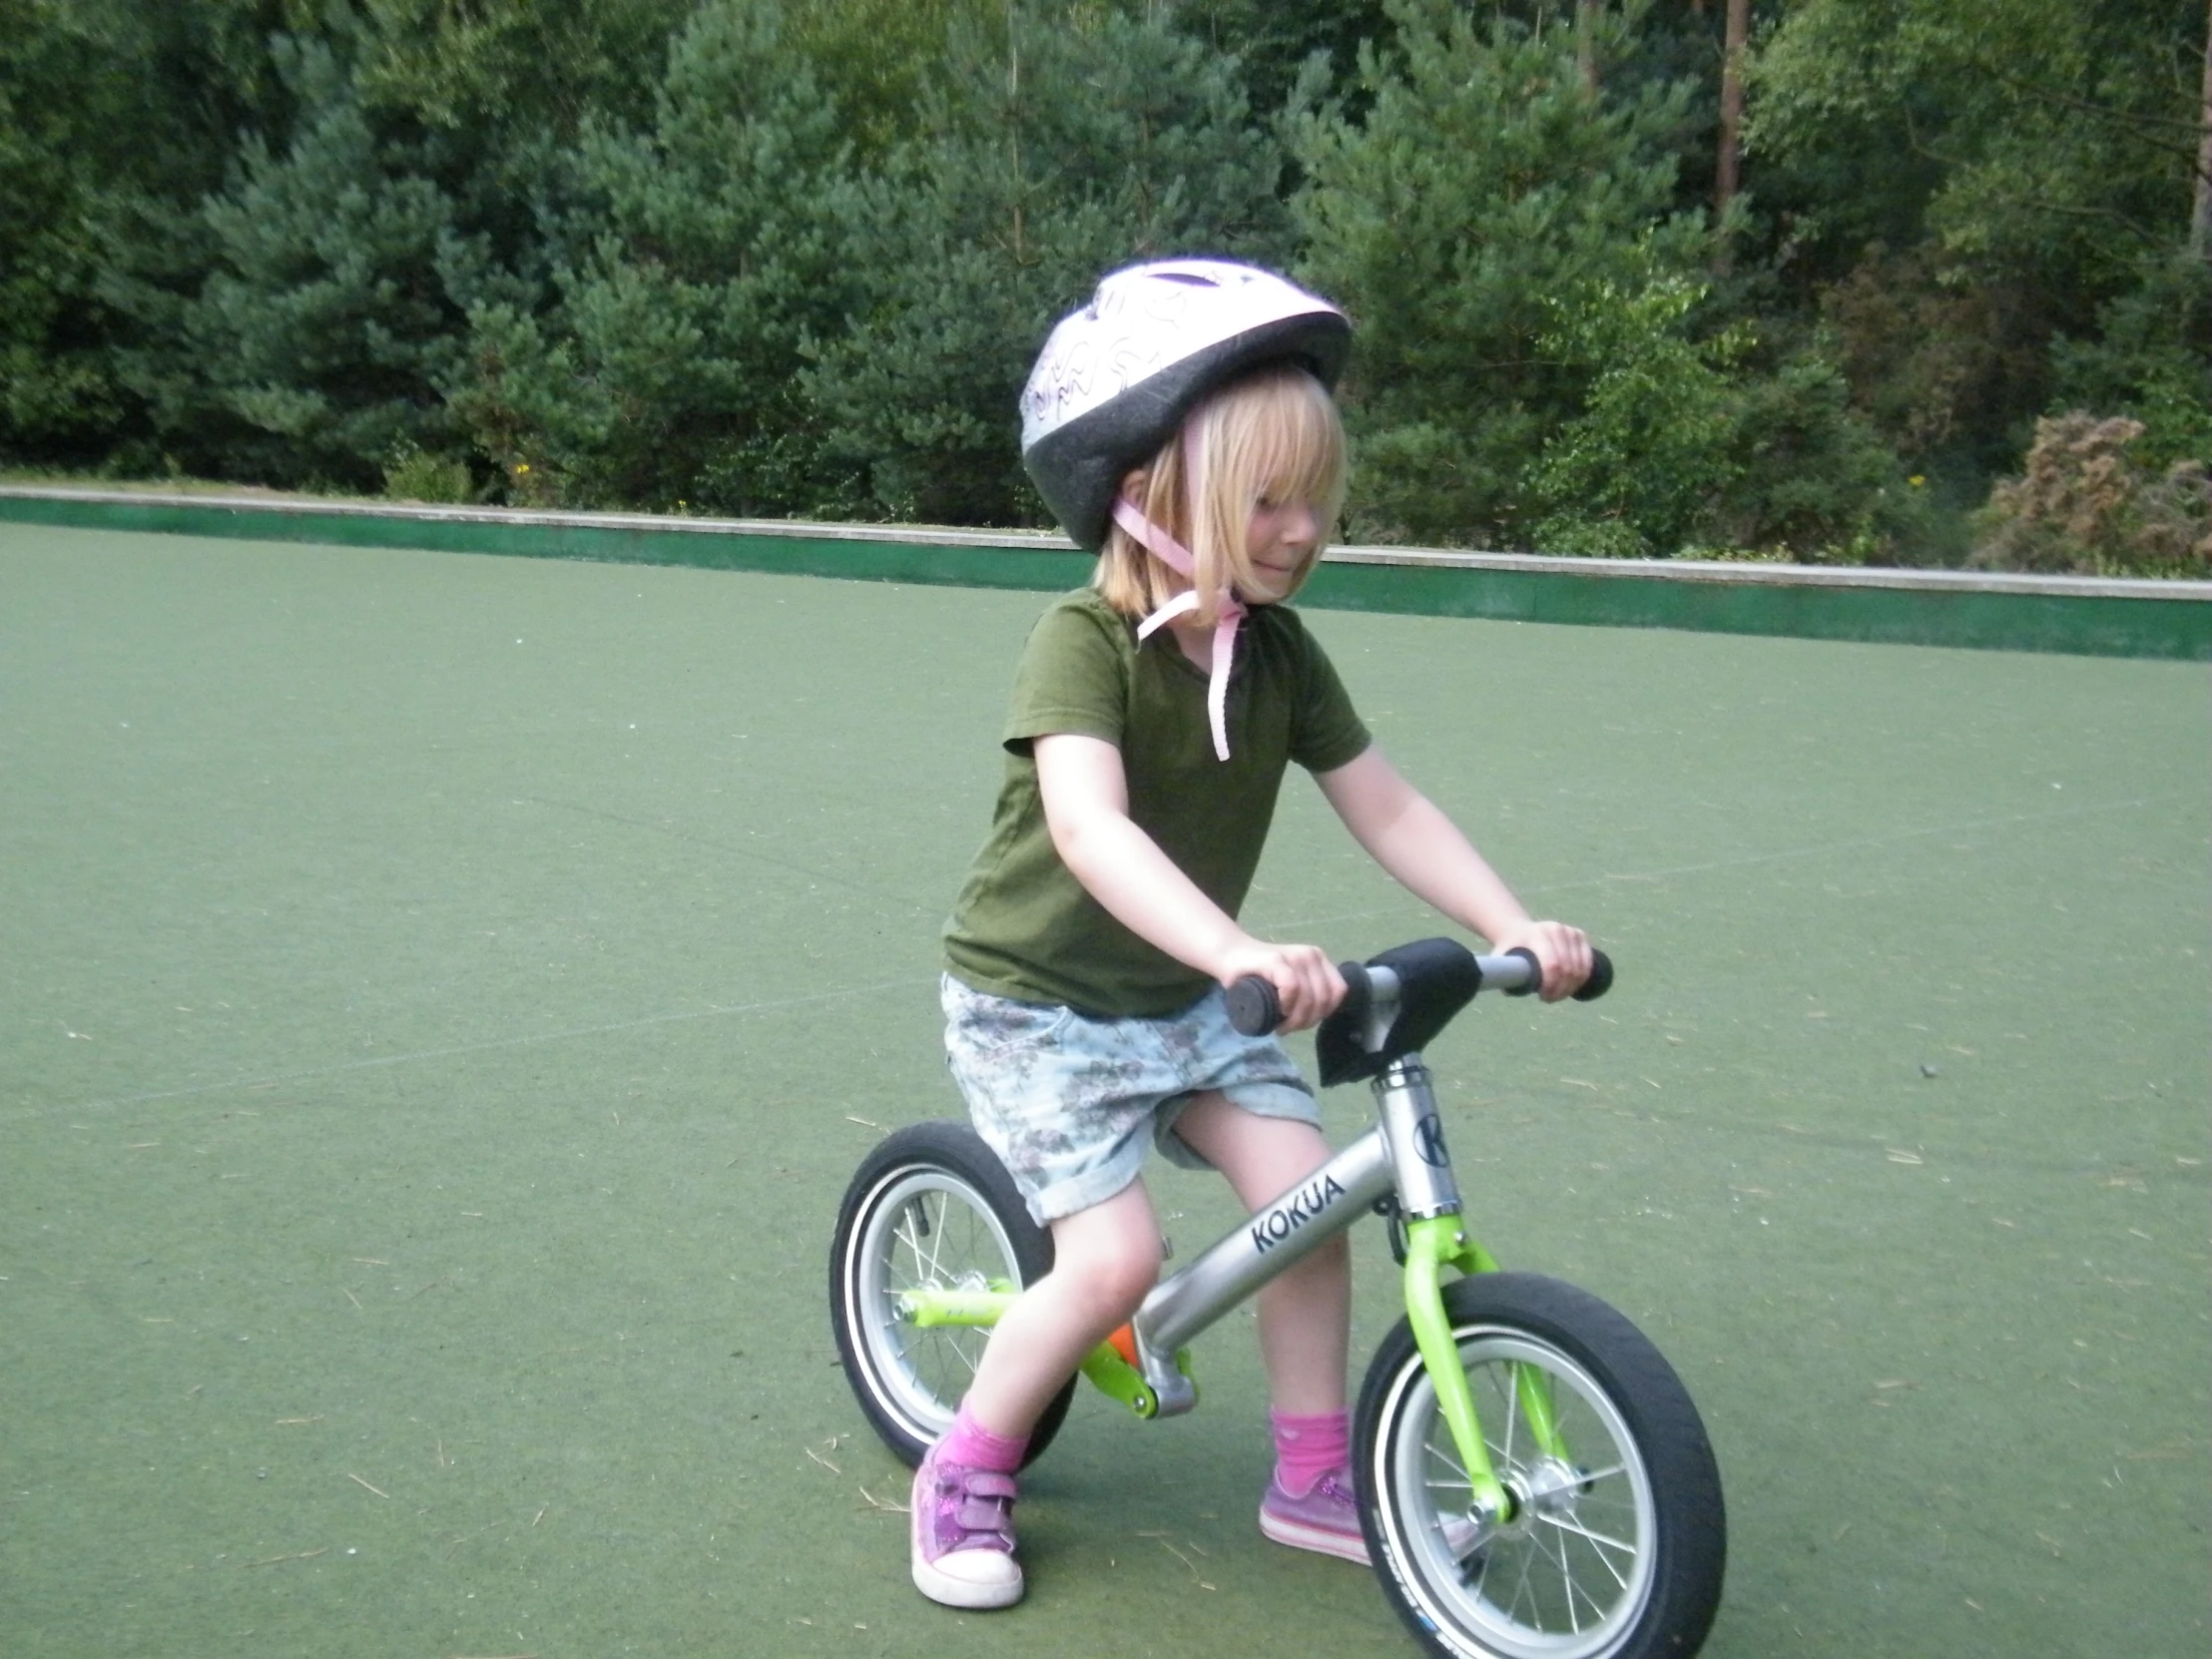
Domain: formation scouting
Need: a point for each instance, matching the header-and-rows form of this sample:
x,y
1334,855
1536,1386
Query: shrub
x,y
2084,508
1815,483
414,474
2151,361
1925,355
1638,469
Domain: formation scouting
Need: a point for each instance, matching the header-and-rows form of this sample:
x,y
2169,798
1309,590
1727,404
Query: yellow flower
x,y
1916,480
525,467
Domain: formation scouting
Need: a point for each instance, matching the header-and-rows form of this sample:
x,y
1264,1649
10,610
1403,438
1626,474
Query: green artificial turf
x,y
441,999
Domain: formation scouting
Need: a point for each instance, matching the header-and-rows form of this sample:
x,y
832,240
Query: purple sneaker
x,y
964,1536
1326,1520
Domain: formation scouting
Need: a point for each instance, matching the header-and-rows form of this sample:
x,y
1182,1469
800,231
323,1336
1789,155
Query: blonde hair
x,y
1271,435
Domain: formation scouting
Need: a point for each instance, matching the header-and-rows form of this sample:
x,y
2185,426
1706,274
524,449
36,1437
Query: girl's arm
x,y
1086,807
1409,836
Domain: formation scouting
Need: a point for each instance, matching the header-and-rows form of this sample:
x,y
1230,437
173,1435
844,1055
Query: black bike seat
x,y
1436,978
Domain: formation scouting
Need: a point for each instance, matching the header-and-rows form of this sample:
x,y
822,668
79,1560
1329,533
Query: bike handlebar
x,y
1254,1010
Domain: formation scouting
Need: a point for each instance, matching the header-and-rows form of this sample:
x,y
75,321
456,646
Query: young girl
x,y
1181,423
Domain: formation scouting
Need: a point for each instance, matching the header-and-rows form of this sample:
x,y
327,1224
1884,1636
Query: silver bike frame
x,y
1405,1154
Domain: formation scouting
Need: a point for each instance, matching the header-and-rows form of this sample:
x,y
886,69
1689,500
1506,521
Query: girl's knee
x,y
1127,1277
1112,1271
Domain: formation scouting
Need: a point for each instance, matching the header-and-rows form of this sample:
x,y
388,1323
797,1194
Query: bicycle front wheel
x,y
1618,1538
932,1207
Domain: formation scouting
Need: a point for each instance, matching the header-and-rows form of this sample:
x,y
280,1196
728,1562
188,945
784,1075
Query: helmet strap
x,y
1178,558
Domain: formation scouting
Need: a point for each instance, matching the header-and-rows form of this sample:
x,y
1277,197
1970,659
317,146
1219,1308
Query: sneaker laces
x,y
1329,1485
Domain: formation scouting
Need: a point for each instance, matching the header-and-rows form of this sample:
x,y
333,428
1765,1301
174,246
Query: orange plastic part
x,y
1124,1343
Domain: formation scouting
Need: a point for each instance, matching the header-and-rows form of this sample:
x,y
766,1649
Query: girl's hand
x,y
1306,981
1562,951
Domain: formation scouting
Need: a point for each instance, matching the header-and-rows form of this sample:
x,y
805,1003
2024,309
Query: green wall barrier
x,y
2083,616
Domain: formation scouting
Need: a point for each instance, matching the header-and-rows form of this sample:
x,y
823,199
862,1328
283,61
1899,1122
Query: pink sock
x,y
971,1445
1306,1449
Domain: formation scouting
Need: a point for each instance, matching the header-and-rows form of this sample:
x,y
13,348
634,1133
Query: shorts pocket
x,y
989,1027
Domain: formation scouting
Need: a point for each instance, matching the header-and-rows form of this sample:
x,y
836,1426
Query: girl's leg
x,y
1105,1260
1305,1331
1305,1312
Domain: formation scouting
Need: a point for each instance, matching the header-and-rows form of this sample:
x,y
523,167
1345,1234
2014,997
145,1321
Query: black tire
x,y
1618,1554
934,1181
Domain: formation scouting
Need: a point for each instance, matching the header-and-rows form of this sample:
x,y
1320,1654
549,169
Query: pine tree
x,y
325,328
691,262
1487,198
1052,151
116,117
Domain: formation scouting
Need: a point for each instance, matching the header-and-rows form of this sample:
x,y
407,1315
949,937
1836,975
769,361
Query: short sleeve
x,y
1328,731
1072,677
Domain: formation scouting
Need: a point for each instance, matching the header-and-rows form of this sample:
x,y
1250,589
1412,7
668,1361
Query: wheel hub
x,y
1551,1489
1545,1488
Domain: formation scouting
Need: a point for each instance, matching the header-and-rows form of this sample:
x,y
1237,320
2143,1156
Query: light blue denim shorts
x,y
1070,1102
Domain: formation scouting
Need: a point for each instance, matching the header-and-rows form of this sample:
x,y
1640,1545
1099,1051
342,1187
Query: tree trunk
x,y
2200,223
1727,165
1726,174
1585,42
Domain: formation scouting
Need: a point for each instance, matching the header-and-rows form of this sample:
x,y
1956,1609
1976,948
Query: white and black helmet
x,y
1116,378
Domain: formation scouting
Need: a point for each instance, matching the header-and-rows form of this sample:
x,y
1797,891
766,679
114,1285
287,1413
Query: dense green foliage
x,y
1045,156
794,256
689,261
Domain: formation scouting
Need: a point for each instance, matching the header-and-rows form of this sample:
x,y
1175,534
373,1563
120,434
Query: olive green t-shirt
x,y
1024,927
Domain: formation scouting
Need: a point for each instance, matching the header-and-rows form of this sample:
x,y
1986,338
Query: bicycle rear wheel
x,y
1616,1550
929,1207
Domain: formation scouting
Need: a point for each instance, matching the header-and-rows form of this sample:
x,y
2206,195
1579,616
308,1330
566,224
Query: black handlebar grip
x,y
1254,1008
1359,993
1599,982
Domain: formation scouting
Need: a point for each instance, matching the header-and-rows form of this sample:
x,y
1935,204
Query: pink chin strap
x,y
1177,557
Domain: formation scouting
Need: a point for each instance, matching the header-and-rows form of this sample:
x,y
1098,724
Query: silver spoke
x,y
1601,1543
937,1234
1569,1574
1454,1473
1520,1583
926,1227
1512,1415
1597,1607
1567,1580
966,1358
907,1217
